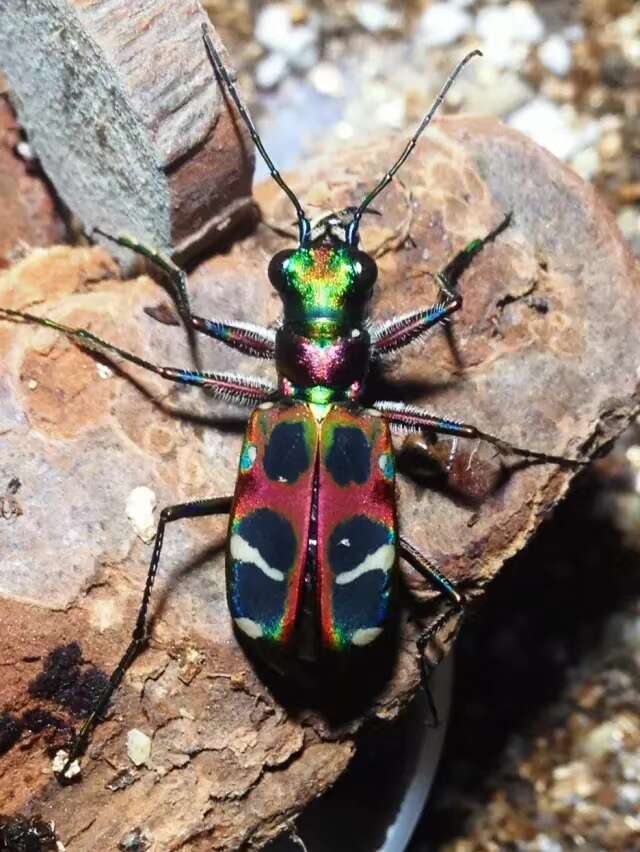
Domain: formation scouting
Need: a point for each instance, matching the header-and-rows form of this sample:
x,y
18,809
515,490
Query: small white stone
x,y
586,163
140,505
517,21
103,371
270,70
555,54
273,24
24,150
375,17
32,384
138,747
442,24
556,128
277,32
59,762
327,79
508,31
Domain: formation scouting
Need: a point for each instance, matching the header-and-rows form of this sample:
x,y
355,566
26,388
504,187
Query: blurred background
x,y
543,749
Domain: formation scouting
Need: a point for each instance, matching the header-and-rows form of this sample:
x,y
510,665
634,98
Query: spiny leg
x,y
428,570
245,337
411,419
196,509
224,385
177,277
400,331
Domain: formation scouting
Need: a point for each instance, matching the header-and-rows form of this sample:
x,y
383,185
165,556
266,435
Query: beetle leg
x,y
428,570
400,331
411,419
224,385
139,636
177,277
244,336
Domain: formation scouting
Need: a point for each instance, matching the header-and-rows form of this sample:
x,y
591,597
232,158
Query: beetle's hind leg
x,y
428,570
196,509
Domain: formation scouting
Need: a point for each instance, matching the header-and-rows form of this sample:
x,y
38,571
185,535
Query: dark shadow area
x,y
543,615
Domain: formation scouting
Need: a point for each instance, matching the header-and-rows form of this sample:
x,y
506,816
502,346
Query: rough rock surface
x,y
121,106
547,358
28,216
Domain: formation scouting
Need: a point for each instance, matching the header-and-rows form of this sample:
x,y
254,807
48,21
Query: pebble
x,y
327,79
586,163
555,127
495,92
555,54
270,70
376,18
140,505
277,32
138,747
508,31
442,24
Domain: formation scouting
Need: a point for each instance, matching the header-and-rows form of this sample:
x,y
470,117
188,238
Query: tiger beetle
x,y
313,524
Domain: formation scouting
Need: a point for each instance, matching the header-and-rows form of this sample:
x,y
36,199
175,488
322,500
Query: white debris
x,y
442,24
140,505
375,17
508,32
59,762
103,371
32,384
298,43
24,150
270,70
555,54
586,163
556,128
138,747
327,79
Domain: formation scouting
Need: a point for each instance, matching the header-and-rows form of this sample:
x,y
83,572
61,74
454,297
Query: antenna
x,y
222,73
352,232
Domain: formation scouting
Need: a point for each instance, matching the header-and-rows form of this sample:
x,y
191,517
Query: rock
x,y
508,31
557,128
555,54
271,70
126,118
442,24
28,214
235,757
376,17
278,32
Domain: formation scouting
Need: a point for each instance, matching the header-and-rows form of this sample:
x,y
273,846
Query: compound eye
x,y
277,270
366,269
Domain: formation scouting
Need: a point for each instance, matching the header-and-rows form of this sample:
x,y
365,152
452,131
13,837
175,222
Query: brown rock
x,y
28,216
547,358
125,116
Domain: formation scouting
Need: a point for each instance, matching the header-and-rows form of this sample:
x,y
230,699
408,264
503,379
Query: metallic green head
x,y
330,282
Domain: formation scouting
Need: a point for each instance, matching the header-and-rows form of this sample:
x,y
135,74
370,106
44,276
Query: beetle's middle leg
x,y
428,570
243,336
139,635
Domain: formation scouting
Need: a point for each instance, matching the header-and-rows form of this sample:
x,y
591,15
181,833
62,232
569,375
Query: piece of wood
x,y
121,106
549,353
